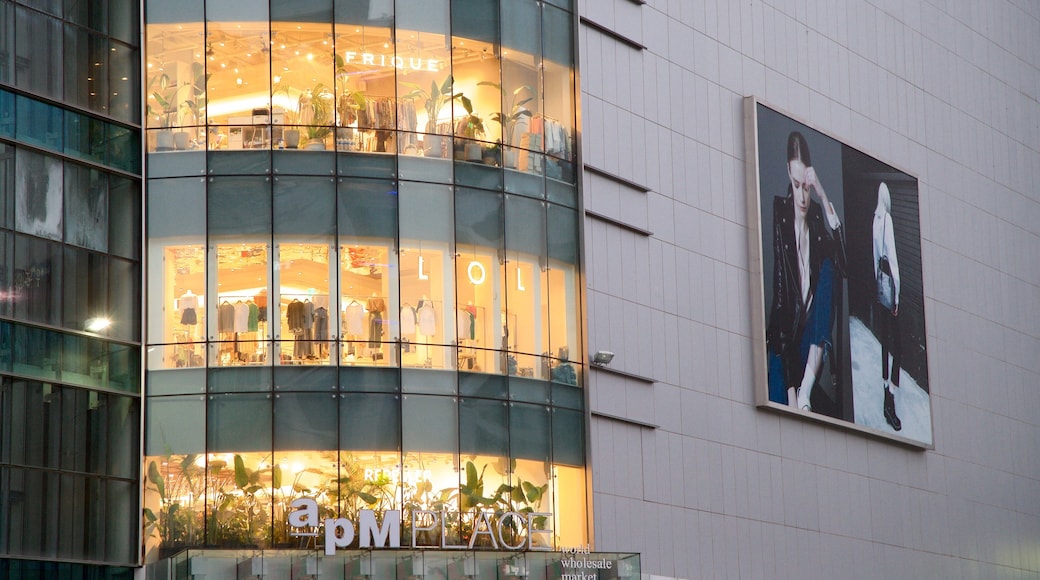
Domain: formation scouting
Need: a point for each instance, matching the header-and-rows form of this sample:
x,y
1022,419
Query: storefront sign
x,y
392,61
340,532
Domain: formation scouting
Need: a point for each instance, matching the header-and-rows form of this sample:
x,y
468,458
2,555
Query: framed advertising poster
x,y
837,297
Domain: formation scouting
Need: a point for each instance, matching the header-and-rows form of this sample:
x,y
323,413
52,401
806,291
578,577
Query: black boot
x,y
890,411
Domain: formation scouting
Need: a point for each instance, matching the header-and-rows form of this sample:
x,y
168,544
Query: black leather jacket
x,y
787,315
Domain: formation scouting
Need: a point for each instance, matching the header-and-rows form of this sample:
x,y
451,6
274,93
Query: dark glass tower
x,y
70,314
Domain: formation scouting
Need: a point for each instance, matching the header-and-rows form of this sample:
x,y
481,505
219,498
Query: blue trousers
x,y
817,330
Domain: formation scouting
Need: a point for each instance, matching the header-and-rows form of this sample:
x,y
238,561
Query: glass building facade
x,y
70,288
363,269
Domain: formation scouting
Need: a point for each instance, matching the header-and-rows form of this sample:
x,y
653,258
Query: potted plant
x,y
315,115
470,127
508,121
433,102
178,105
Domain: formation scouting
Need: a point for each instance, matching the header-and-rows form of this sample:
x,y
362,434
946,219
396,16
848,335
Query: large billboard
x,y
837,298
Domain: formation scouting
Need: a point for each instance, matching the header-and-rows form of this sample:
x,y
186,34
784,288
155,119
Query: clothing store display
x,y
261,303
254,317
375,307
467,323
188,302
353,316
427,318
407,320
241,317
226,317
321,323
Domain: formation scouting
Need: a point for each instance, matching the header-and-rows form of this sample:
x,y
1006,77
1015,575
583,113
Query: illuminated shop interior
x,y
363,272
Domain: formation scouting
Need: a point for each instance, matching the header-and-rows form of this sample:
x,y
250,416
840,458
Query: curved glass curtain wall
x,y
363,265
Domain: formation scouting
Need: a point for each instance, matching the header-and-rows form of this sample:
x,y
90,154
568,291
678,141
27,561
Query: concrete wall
x,y
686,469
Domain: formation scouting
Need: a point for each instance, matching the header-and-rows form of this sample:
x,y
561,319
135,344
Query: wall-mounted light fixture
x,y
602,358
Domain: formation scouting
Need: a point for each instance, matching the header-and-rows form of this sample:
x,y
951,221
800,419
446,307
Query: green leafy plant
x,y
169,95
178,522
433,100
471,126
517,110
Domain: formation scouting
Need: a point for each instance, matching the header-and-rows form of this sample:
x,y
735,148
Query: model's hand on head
x,y
813,180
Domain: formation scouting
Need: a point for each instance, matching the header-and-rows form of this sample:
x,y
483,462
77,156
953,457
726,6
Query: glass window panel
x,y
483,429
563,281
238,498
475,19
79,73
239,206
239,423
305,378
369,379
484,453
303,93
529,432
7,113
124,149
429,423
363,165
481,385
427,272
304,208
124,299
366,67
124,217
238,89
238,162
290,162
38,51
431,440
38,194
7,183
423,47
476,70
37,280
529,449
179,382
86,207
120,513
7,52
124,80
175,76
32,424
35,352
428,381
304,421
247,379
123,19
526,276
177,306
558,81
39,123
86,287
93,15
7,287
370,422
480,276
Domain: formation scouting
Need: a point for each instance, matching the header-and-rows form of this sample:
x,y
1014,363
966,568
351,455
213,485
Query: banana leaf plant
x,y
433,100
517,110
